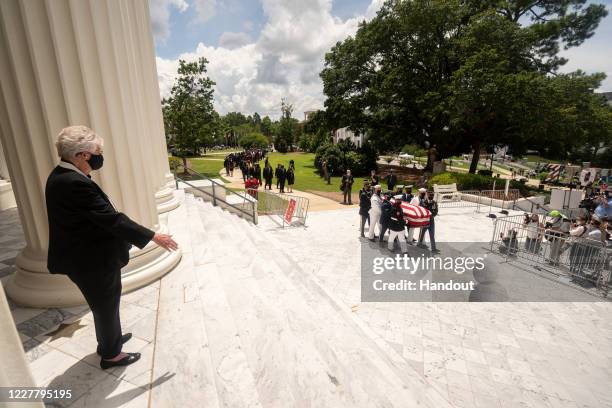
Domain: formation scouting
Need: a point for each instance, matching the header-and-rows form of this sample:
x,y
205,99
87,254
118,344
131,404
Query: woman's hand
x,y
165,241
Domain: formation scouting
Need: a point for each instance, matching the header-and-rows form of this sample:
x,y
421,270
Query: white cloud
x,y
205,9
160,16
233,40
284,61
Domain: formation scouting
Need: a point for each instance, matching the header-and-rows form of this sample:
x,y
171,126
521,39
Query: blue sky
x,y
263,50
230,16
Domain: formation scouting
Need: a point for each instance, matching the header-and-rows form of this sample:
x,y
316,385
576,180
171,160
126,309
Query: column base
x,y
165,199
33,286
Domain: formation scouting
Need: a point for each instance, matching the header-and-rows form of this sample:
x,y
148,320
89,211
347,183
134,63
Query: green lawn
x,y
208,167
306,176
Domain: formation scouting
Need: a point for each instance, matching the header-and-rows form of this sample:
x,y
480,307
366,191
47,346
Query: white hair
x,y
77,139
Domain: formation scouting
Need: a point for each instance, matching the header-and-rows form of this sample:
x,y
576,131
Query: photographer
x,y
533,227
556,231
578,251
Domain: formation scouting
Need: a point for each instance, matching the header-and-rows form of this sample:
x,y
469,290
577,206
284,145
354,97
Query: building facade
x,y
346,134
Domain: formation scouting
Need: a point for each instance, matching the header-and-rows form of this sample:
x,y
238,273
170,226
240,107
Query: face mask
x,y
96,161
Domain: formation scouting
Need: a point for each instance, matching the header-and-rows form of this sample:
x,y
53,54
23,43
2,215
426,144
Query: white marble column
x,y
7,198
15,369
147,73
68,62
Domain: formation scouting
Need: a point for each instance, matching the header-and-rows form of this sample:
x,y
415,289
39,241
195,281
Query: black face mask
x,y
96,161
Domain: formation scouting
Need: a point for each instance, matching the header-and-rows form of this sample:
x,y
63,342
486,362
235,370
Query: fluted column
x,y
4,173
7,198
146,72
68,62
15,370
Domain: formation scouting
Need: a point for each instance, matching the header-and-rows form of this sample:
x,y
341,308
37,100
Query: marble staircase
x,y
254,329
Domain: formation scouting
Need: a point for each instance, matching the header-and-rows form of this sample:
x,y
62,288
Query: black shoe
x,y
124,339
131,358
435,251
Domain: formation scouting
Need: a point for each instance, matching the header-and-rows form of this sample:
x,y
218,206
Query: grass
x,y
306,176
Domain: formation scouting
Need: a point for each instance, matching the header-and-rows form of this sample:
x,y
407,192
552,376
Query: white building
x,y
345,133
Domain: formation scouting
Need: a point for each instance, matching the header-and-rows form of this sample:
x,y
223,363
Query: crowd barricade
x,y
478,199
583,261
288,209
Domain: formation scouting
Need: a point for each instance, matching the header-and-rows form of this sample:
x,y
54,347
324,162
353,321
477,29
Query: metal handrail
x,y
214,195
301,209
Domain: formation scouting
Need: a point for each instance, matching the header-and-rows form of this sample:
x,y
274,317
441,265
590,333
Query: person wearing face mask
x,y
419,201
578,251
375,211
533,239
89,240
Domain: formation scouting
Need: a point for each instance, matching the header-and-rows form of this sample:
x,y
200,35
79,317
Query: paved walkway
x,y
317,202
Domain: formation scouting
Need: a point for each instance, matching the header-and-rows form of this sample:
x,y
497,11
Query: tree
x,y
266,127
456,74
254,141
283,141
189,117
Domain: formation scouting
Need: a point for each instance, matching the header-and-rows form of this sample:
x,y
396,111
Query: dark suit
x,y
90,241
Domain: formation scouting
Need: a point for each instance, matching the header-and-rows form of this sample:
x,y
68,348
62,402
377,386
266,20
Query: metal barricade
x,y
584,261
463,199
289,208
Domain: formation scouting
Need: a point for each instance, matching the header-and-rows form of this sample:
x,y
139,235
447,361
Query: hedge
x,y
468,181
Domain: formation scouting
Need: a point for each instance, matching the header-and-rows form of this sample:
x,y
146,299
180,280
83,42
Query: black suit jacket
x,y
87,236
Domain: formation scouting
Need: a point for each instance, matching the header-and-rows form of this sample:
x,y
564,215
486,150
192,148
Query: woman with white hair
x,y
89,240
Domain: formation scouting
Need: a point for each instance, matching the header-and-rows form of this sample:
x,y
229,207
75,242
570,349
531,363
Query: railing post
x,y
213,193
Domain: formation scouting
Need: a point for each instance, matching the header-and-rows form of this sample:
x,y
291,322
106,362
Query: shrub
x,y
415,150
253,141
174,162
484,172
359,161
468,181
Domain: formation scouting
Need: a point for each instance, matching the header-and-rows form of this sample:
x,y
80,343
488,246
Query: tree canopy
x,y
189,117
468,75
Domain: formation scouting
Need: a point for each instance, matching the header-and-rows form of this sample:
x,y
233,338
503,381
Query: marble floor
x,y
515,354
231,328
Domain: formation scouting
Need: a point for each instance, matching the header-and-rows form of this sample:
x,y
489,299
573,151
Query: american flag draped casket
x,y
415,215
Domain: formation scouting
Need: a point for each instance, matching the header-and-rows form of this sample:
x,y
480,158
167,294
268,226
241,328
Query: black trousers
x,y
348,194
383,229
103,295
268,184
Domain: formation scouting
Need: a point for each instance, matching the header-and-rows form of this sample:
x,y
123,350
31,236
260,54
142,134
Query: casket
x,y
415,215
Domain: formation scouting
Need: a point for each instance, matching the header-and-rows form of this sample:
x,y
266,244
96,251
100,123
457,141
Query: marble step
x,y
182,357
233,376
332,362
422,389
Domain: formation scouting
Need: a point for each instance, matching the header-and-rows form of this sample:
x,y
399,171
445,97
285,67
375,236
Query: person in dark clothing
x,y
89,240
374,179
432,206
346,187
391,180
397,225
282,177
268,173
257,173
364,206
244,170
385,215
277,175
407,196
290,175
